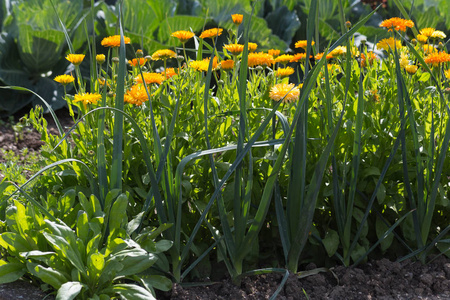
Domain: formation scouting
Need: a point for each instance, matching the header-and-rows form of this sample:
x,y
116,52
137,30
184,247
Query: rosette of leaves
x,y
95,260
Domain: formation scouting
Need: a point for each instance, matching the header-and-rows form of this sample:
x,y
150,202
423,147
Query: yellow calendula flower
x,y
427,31
64,79
211,33
338,51
284,59
260,59
234,49
422,38
398,24
447,74
75,59
237,19
274,52
183,35
202,65
150,78
437,58
252,47
388,44
286,92
135,61
427,49
284,72
100,58
404,61
163,54
411,69
114,41
87,98
302,44
437,34
227,64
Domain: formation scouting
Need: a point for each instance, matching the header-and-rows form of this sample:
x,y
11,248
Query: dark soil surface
x,y
382,279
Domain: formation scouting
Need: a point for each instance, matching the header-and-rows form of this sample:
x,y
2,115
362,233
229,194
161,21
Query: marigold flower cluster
x,y
87,98
75,59
202,65
183,35
260,59
163,54
398,24
114,41
437,58
211,33
64,79
286,92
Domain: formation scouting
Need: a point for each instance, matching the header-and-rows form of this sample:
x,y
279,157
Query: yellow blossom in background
x,y
183,35
333,68
150,78
284,72
237,18
202,65
388,44
136,95
284,59
447,74
404,61
227,64
338,51
100,58
163,54
252,47
211,33
427,49
114,41
427,31
75,59
274,52
437,58
422,38
64,79
398,24
134,62
411,69
87,98
289,92
437,34
260,59
234,49
302,44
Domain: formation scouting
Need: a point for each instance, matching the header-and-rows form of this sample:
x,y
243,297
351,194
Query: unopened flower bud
x,y
414,42
180,58
100,58
139,53
259,68
148,57
348,24
115,60
440,46
447,90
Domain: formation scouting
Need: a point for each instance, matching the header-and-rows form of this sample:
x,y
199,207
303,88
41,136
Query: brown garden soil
x,y
380,279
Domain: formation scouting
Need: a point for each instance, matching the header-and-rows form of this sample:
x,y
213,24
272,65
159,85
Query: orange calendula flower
x,y
299,57
398,24
388,44
274,52
227,64
163,54
75,59
183,35
135,61
427,49
170,72
150,78
437,58
260,59
114,41
284,72
100,58
211,33
371,57
411,69
286,92
237,19
447,74
252,47
203,65
136,95
284,59
234,49
64,79
302,44
87,98
320,55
